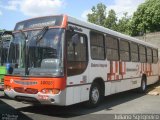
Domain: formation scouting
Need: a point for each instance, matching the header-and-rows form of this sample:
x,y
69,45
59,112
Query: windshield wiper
x,y
40,35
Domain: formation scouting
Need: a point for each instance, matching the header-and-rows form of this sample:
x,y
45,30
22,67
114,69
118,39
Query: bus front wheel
x,y
95,95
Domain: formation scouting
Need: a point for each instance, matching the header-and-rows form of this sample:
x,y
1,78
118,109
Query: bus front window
x,y
16,55
44,53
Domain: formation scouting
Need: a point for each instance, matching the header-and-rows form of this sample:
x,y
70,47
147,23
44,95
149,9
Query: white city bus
x,y
64,61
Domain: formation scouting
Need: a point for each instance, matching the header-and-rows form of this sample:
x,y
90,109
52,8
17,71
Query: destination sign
x,y
39,22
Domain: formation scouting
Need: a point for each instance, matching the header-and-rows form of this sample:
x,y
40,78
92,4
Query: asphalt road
x,y
118,104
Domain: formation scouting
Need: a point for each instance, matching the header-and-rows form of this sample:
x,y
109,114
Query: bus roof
x,y
93,27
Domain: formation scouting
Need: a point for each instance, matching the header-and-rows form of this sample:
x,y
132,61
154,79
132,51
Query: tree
x,y
146,18
111,20
98,14
123,24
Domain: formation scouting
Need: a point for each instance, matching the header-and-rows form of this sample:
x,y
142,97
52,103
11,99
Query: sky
x,y
13,11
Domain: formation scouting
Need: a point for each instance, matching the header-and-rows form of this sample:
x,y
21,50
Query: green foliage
x,y
111,19
98,14
145,19
123,24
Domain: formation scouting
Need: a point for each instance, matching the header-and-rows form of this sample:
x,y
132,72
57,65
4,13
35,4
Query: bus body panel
x,y
77,94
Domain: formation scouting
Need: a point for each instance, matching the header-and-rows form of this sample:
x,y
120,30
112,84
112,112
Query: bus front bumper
x,y
39,98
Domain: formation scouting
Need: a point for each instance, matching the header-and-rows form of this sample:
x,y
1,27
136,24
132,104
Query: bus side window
x,y
77,57
134,52
142,54
155,56
111,45
149,55
124,50
97,46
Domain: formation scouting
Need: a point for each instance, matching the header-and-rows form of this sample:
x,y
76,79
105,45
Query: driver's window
x,y
77,57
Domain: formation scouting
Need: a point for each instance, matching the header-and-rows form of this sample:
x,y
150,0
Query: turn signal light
x,y
50,91
7,87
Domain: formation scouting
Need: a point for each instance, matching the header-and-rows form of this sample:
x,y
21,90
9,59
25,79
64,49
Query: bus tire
x,y
95,95
143,86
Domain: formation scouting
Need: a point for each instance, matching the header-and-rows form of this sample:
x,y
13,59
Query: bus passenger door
x,y
77,61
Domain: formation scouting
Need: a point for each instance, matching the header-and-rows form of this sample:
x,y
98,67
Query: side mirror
x,y
75,39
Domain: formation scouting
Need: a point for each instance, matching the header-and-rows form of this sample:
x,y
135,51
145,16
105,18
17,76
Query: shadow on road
x,y
154,88
7,112
79,109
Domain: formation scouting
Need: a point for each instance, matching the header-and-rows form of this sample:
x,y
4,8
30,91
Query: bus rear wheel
x,y
143,86
95,95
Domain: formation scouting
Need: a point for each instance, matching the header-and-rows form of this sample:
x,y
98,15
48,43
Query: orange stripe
x,y
116,66
58,83
64,23
120,68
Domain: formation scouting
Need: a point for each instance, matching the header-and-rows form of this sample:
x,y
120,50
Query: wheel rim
x,y
95,95
143,85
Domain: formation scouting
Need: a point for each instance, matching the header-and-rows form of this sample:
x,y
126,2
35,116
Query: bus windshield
x,y
41,52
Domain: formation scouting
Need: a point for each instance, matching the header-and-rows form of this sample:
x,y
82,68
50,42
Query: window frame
x,y
122,50
111,48
149,55
80,62
134,52
155,55
140,53
98,46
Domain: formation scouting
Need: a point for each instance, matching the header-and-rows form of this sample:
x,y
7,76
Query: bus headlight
x,y
50,91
